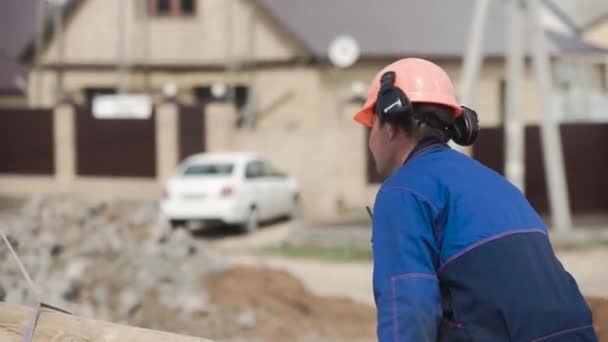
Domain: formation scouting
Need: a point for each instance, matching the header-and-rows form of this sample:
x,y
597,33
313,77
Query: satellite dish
x,y
343,51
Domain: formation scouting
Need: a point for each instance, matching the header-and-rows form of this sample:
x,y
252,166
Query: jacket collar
x,y
425,146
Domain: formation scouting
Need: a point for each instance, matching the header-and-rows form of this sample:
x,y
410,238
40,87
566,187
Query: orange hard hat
x,y
422,82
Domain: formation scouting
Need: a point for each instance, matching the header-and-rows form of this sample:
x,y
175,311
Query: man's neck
x,y
402,154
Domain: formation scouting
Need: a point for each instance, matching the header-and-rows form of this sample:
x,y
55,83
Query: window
x,y
163,7
271,171
209,170
173,8
187,6
240,98
255,169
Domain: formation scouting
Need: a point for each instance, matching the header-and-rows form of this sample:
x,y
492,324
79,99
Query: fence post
x,y
219,125
65,146
167,145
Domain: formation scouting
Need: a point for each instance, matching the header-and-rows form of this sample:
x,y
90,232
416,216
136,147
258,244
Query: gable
x,y
91,35
598,33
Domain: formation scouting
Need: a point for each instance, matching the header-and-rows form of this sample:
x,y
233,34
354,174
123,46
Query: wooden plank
x,y
57,327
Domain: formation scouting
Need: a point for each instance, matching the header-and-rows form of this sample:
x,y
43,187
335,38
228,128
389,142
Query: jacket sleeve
x,y
405,254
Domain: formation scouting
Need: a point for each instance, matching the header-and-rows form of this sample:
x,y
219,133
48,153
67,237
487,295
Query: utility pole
x,y
551,139
514,138
473,59
36,89
58,6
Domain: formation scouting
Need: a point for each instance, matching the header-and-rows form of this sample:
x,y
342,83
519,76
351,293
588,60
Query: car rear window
x,y
209,169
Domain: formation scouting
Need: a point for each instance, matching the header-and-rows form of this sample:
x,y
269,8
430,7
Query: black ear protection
x,y
392,104
465,129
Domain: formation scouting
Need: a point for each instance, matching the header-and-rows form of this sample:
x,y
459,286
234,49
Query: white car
x,y
229,188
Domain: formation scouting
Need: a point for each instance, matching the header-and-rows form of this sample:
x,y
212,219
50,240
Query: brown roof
x,y
389,28
383,28
10,71
17,26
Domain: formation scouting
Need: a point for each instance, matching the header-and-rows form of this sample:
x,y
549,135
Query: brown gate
x,y
27,141
191,130
585,149
115,147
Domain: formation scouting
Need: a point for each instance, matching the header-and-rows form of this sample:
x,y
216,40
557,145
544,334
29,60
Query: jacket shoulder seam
x,y
413,192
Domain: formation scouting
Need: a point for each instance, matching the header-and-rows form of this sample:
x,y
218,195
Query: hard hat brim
x,y
365,116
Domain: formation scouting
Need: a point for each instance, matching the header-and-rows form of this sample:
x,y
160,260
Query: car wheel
x,y
252,221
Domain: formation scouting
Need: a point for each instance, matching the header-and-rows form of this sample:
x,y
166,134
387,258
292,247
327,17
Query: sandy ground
x,y
353,279
589,268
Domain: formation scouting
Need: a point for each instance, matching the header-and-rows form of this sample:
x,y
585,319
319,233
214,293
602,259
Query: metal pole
x,y
251,63
146,45
58,25
551,139
229,55
122,81
228,48
473,56
36,96
514,128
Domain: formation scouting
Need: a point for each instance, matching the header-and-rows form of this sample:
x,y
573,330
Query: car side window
x,y
254,170
271,171
267,170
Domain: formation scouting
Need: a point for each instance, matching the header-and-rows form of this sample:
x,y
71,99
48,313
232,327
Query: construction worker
x,y
459,253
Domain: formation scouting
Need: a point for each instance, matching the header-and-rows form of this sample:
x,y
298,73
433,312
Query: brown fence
x,y
27,141
115,147
191,130
585,155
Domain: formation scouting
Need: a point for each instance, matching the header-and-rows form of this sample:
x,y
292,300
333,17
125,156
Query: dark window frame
x,y
176,9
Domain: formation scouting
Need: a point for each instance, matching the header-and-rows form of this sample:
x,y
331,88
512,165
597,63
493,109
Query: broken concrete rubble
x,y
101,258
120,262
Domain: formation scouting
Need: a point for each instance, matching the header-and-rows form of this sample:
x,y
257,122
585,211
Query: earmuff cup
x,y
392,103
466,128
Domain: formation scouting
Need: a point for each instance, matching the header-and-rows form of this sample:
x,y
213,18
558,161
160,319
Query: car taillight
x,y
226,191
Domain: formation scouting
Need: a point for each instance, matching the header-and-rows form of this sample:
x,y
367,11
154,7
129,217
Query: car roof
x,y
236,157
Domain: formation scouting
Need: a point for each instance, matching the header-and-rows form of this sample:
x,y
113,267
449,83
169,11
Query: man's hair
x,y
427,121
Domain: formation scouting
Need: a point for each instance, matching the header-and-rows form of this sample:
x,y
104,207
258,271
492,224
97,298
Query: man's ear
x,y
392,131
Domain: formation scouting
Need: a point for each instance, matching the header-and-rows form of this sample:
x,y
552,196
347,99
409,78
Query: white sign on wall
x,y
133,106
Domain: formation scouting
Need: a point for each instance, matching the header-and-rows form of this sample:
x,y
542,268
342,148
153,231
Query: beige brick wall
x,y
328,161
91,35
285,96
305,96
337,85
599,35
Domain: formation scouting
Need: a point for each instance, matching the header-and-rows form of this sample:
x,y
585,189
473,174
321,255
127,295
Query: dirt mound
x,y
285,311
